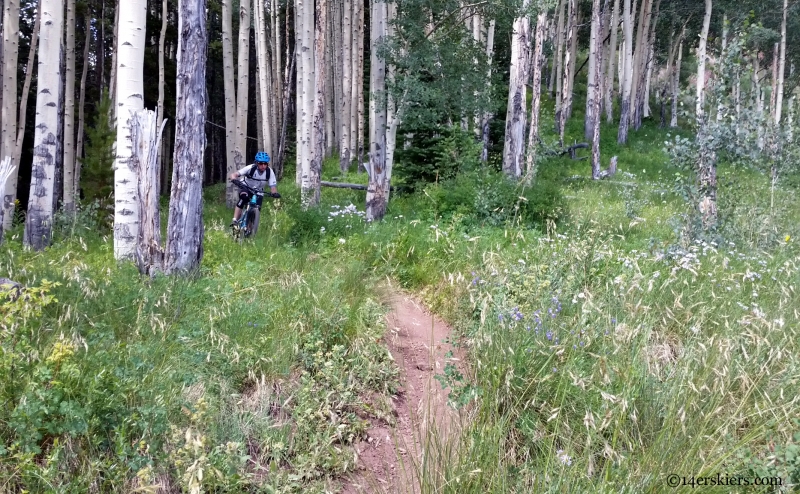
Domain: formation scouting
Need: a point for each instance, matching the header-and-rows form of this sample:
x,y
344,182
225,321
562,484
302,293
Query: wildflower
x,y
564,458
549,335
341,240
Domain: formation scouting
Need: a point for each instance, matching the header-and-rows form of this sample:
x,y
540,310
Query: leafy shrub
x,y
491,197
435,153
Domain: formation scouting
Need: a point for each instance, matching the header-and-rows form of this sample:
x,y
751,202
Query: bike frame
x,y
241,229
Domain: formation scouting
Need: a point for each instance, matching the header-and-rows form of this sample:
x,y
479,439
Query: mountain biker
x,y
258,176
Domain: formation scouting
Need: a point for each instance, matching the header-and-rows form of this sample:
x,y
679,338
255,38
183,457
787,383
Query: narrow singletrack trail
x,y
391,458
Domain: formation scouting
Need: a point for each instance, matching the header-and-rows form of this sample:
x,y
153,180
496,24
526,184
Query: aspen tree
x,y
514,147
39,219
360,84
262,68
378,187
69,110
566,96
676,83
650,62
358,6
558,61
304,28
701,62
26,88
130,89
627,78
8,131
184,249
597,53
536,89
242,91
592,79
573,50
228,72
347,43
81,103
487,115
311,177
781,66
641,61
608,88
112,83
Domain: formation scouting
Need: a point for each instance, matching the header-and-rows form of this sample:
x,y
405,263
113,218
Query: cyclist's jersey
x,y
259,181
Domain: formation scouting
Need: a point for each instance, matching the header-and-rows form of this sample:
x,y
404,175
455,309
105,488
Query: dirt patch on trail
x,y
390,459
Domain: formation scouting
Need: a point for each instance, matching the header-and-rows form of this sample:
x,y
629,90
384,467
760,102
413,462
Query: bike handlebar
x,y
243,186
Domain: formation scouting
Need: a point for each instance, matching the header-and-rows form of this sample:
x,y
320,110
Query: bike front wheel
x,y
253,217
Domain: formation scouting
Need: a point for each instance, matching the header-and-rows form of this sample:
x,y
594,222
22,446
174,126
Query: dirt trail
x,y
389,460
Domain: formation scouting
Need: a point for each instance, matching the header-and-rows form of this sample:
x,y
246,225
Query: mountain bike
x,y
247,226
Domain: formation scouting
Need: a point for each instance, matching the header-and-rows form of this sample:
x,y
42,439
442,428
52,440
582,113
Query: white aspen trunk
x,y
26,89
487,116
595,42
230,98
393,112
639,57
277,103
377,189
81,103
130,98
305,83
612,57
627,78
358,5
773,97
676,84
573,50
69,110
645,65
243,89
566,95
360,85
329,83
725,24
39,220
310,186
8,140
337,66
259,18
597,54
347,42
558,61
781,66
701,63
5,172
184,249
514,147
161,40
536,89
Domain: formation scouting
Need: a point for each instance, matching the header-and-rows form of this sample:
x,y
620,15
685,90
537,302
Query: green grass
x,y
256,375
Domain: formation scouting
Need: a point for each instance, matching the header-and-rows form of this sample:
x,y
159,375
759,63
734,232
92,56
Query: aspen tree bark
x,y
330,81
612,57
649,64
8,138
161,39
378,187
595,45
81,103
145,136
676,74
26,89
358,6
514,148
393,106
773,97
184,249
347,43
536,89
558,62
230,98
573,50
5,172
259,17
338,67
311,177
638,56
701,63
360,85
487,116
242,91
130,99
566,95
304,28
627,78
39,220
69,110
781,66
597,53
643,63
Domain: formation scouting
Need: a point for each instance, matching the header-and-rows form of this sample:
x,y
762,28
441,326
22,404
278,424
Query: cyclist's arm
x,y
273,190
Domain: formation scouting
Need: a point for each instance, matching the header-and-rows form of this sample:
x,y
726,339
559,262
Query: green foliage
x,y
97,175
494,199
434,153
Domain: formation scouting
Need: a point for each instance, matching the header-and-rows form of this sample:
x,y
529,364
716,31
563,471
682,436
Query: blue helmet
x,y
262,157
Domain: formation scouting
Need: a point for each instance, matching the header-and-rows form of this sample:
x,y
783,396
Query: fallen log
x,y
11,286
342,185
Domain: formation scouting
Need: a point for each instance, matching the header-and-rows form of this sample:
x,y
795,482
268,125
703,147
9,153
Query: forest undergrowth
x,y
611,342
